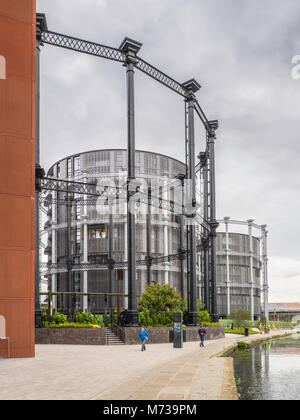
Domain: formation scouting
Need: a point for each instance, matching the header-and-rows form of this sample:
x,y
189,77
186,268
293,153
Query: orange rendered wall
x,y
17,164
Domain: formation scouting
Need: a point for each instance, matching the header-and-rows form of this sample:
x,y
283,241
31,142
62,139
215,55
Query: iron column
x,y
69,262
265,271
226,220
191,87
111,262
203,156
250,223
181,250
130,48
148,239
213,222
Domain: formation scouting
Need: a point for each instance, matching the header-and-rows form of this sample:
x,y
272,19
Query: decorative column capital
x,y
130,48
191,87
213,225
213,126
41,25
226,219
264,229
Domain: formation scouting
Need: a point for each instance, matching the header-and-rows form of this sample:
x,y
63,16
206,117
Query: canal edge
x,y
229,387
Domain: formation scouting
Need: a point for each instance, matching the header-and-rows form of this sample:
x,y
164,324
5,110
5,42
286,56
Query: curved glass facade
x,y
88,229
79,234
240,264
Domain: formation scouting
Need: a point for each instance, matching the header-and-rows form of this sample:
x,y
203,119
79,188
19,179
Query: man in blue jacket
x,y
144,336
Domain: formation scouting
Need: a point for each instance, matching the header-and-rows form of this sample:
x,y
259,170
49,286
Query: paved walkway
x,y
122,372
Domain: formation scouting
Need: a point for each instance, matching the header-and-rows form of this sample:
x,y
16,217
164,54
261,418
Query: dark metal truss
x,y
80,45
160,76
61,185
98,50
82,188
121,264
202,117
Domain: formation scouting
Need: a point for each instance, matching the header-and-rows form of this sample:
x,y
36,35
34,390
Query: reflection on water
x,y
270,371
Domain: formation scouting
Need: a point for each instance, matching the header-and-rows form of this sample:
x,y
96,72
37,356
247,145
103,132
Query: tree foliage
x,y
158,305
240,318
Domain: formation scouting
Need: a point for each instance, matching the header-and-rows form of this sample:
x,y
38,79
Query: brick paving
x,y
122,372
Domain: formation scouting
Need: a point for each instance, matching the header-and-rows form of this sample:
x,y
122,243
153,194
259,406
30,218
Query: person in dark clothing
x,y
144,336
202,334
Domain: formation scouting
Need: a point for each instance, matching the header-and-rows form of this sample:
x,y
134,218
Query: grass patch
x,y
240,331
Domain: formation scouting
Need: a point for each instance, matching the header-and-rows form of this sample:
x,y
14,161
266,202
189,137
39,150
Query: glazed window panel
x,y
98,232
98,259
119,275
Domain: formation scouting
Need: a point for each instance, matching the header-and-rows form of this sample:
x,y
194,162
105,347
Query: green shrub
x,y
84,318
211,324
204,317
158,305
99,320
242,346
58,318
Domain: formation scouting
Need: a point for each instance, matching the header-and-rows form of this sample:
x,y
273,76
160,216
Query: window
x,y
174,218
78,235
164,164
98,259
104,156
119,275
76,167
98,232
76,282
69,173
77,210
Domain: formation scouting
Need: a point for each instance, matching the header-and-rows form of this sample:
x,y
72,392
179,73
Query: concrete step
x,y
112,339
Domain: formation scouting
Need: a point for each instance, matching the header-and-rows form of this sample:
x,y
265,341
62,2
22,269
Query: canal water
x,y
270,371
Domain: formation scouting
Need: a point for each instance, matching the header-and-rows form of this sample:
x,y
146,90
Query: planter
x,y
83,336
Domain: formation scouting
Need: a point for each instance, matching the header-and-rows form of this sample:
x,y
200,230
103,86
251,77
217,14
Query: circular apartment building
x,y
86,237
78,233
241,267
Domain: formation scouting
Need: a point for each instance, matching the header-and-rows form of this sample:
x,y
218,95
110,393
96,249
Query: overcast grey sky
x,y
240,51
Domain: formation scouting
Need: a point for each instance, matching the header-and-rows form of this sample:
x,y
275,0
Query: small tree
x,y
158,305
241,318
263,321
